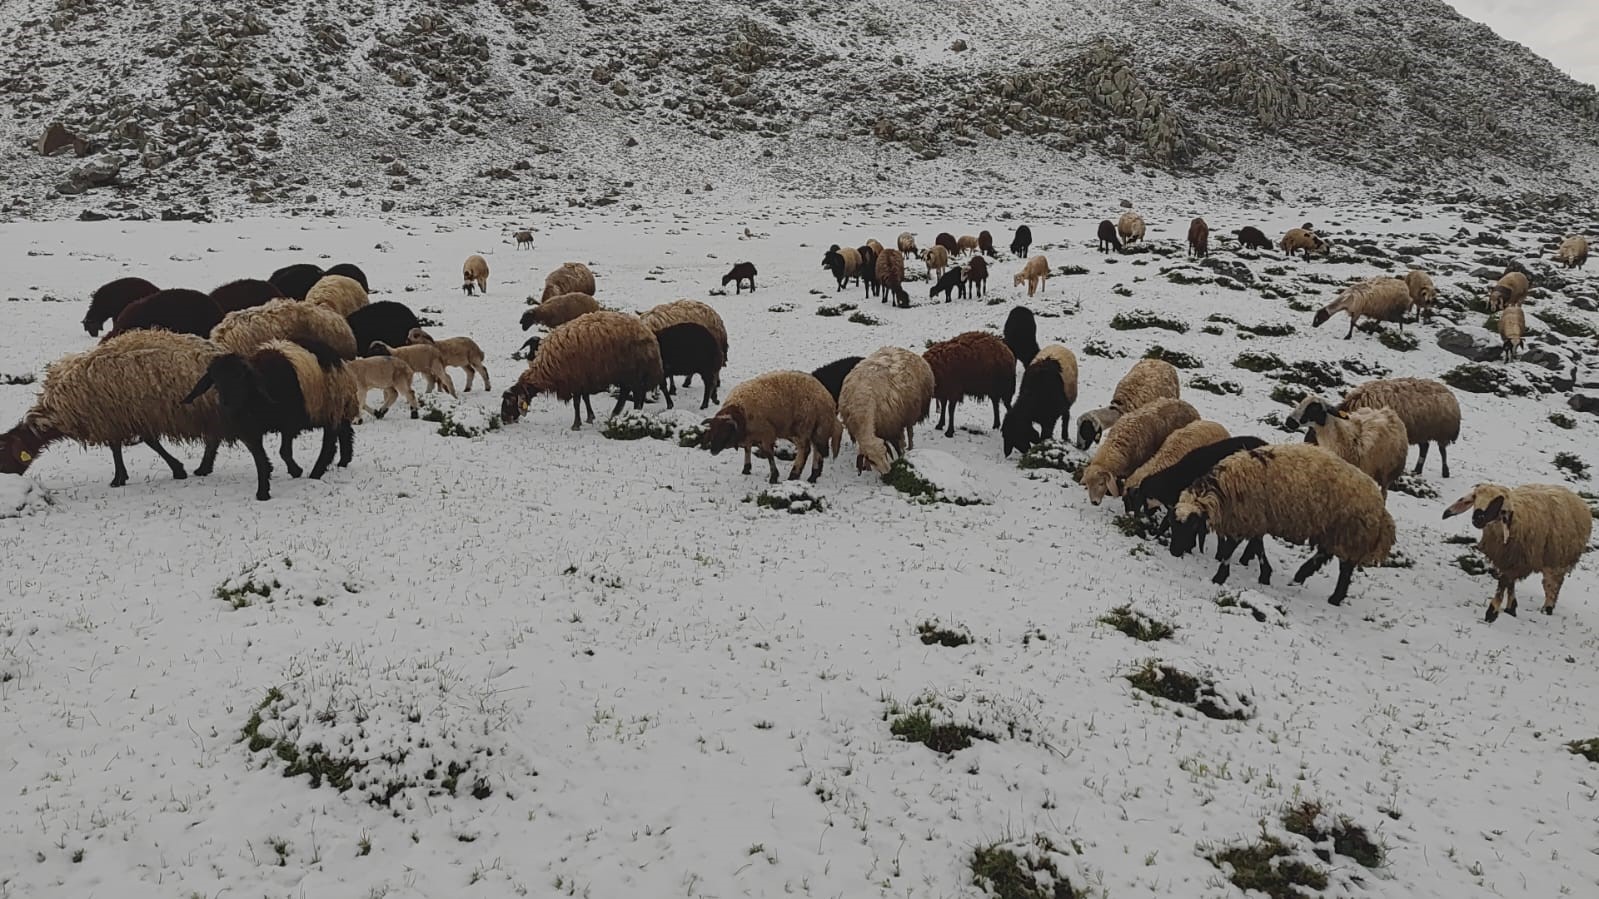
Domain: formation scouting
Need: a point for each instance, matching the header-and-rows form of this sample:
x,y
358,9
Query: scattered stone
x,y
1476,344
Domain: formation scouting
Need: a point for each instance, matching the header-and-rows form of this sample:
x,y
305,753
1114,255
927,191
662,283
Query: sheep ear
x,y
1460,505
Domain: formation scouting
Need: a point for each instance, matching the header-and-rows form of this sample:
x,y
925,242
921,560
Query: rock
x,y
1545,357
396,169
1127,204
89,215
91,173
958,46
1476,344
1485,273
57,138
1582,402
386,206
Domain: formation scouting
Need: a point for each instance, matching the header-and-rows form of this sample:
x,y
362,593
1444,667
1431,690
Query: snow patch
x,y
22,496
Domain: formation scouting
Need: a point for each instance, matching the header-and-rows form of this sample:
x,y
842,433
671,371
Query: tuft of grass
x,y
1136,625
689,436
1258,362
1140,319
1103,350
795,500
1562,420
1268,329
834,311
932,632
1220,388
1315,375
943,737
1132,525
1188,276
242,596
1478,377
17,380
1212,329
861,318
1472,563
1411,485
1347,838
1267,866
1070,270
449,427
1179,686
1177,358
1572,465
1006,874
634,425
1049,454
1401,342
1288,396
1588,749
902,477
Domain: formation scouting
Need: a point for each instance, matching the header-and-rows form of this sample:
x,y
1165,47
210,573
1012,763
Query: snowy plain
x,y
669,691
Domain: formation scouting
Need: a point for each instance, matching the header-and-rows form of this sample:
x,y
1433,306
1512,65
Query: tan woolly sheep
x,y
587,356
424,359
524,239
1533,528
1422,292
1303,241
338,293
1130,227
243,331
1573,252
475,272
1428,408
457,352
883,398
1148,380
891,277
571,277
906,244
1178,444
1512,328
1131,442
1383,299
390,374
877,247
967,244
778,405
1034,273
559,309
937,259
1512,287
1372,440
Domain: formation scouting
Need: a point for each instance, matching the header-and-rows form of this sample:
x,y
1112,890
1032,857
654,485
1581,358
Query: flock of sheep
x,y
300,350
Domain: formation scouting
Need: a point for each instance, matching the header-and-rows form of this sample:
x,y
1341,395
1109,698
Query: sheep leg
x,y
330,442
663,393
1422,459
802,453
1351,333
709,391
1551,590
1257,548
346,444
120,476
470,374
748,463
410,398
997,400
286,451
483,372
771,459
1443,453
178,473
1346,570
263,467
1311,566
1510,599
389,396
950,431
1498,600
449,385
816,466
1225,547
208,460
910,439
577,414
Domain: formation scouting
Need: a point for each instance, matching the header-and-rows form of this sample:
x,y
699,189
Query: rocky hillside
x,y
440,104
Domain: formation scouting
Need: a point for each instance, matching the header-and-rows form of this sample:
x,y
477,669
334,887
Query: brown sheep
x,y
1133,440
948,242
1198,238
1302,240
524,240
475,272
586,356
1035,272
967,244
1422,292
843,262
111,298
1382,299
1511,288
985,244
1527,530
342,294
1573,252
778,405
178,310
1428,408
571,277
244,294
937,259
890,275
558,310
973,364
1512,328
459,352
241,332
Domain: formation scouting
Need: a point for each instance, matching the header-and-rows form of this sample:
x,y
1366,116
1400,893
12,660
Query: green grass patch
x,y
313,760
904,478
1412,485
1562,420
1209,385
1071,270
942,737
1348,839
861,318
793,497
1588,749
1049,454
1212,329
1138,626
1398,341
1269,867
1288,396
449,427
1268,329
1258,362
1315,375
1188,276
1175,685
1122,291
636,425
1140,319
1098,347
243,595
1478,377
1572,465
835,311
1006,871
1472,563
1564,324
931,632
17,380
1176,358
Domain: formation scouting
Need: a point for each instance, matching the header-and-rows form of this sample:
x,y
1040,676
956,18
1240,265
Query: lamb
x,y
1199,238
890,277
1297,493
976,277
1573,252
1302,240
778,405
586,356
1022,241
1177,445
424,359
475,272
907,243
111,298
524,240
937,259
295,281
349,270
843,262
1252,238
832,374
948,242
882,400
1372,440
952,280
985,244
390,374
680,311
966,245
385,320
1021,334
242,331
741,272
558,310
691,349
1511,288
1108,239
1382,299
124,390
1428,408
1130,227
869,269
1422,292
244,294
342,294
177,310
1148,380
1035,272
284,388
1512,328
1132,441
1540,528
972,364
571,277
1160,489
457,352
1049,388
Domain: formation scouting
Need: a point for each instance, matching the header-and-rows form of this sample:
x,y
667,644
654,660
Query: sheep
x,y
352,271
1199,238
342,294
832,374
1381,299
385,320
244,294
976,276
985,244
877,247
1511,288
296,280
390,374
1296,493
1512,327
948,242
424,359
1422,292
111,298
881,401
524,240
1049,388
457,352
1252,238
1428,408
843,262
890,277
937,259
1130,227
475,273
242,331
558,310
1021,334
1020,243
869,269
952,280
124,390
1160,489
1177,445
1035,272
284,388
178,310
1148,380
1540,528
1573,252
741,272
1108,239
586,356
778,405
906,243
691,349
679,311
1302,240
571,277
971,364
966,245
1131,442
1372,440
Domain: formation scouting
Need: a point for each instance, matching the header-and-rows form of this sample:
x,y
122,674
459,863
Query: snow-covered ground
x,y
658,687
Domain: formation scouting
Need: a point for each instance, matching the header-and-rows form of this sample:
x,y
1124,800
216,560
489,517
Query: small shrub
x,y
17,380
1411,485
932,632
1563,324
1472,563
1345,836
1315,375
1268,329
944,737
1397,559
1398,341
1478,377
834,311
1258,362
1288,396
1218,318
1572,465
1141,319
861,318
1136,625
793,497
635,424
1220,388
1562,420
1178,686
1098,347
1588,749
1269,867
1021,871
1177,358
1049,454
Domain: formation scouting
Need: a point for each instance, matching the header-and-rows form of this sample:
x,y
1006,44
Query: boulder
x,y
93,172
1581,402
57,138
1476,344
1546,358
1230,268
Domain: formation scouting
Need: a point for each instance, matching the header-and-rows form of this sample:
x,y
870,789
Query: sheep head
x,y
1092,426
1190,523
727,428
514,402
1489,503
467,284
530,317
1313,411
1321,316
1019,434
1101,482
22,444
417,335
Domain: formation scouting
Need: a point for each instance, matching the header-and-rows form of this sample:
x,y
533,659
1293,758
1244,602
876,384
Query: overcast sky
x,y
1565,32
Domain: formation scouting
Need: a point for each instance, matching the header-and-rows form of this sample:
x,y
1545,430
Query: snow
x,y
668,690
21,496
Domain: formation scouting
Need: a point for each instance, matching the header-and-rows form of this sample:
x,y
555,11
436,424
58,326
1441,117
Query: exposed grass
x,y
1268,329
1348,838
1049,454
1178,686
944,737
1006,874
1315,375
1402,342
1269,867
1288,396
1472,563
449,427
1212,329
689,437
1140,319
1139,627
314,761
1572,465
834,311
1411,485
634,425
1258,362
1070,270
1478,377
932,632
861,318
1220,388
1563,324
1588,749
1188,276
792,498
1132,525
17,380
1103,350
1228,600
902,477
1562,420
1177,358
242,596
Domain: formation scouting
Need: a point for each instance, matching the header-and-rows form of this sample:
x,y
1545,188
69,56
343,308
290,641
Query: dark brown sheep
x,y
975,364
244,293
743,271
948,242
1198,238
180,311
297,280
985,244
107,302
977,276
890,275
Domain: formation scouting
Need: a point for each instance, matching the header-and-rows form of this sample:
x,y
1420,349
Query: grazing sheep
x,y
244,294
390,374
284,388
242,331
890,277
1304,241
1148,380
342,294
1132,441
882,400
349,270
424,359
741,272
1422,292
966,244
680,311
1511,288
1372,440
111,298
177,310
1035,272
1381,299
475,272
1049,388
875,245
1108,239
1022,241
832,374
952,280
985,244
869,269
458,352
1573,252
843,262
558,310
1252,238
1177,445
1160,489
1428,408
972,364
384,320
778,405
1532,528
937,259
948,242
524,240
295,281
1198,238
976,276
587,356
906,244
1130,227
124,390
1021,334
571,277
691,349
1512,327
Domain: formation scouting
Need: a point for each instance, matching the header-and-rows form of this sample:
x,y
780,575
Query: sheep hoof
x,y
1547,610
119,482
1335,600
379,413
578,427
1511,611
747,469
295,471
262,495
415,414
1492,614
180,475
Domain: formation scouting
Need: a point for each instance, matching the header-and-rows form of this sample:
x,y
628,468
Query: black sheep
x,y
1041,402
1109,237
833,373
868,270
985,244
1166,485
244,293
1021,334
743,271
1253,238
296,280
108,301
977,276
387,321
1023,239
689,349
834,262
349,270
179,310
951,280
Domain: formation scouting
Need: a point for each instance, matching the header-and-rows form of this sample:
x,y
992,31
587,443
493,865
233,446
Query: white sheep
x,y
883,398
1131,442
1372,440
1383,299
1148,380
1533,528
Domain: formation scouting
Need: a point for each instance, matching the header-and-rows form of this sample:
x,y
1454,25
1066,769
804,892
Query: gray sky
x,y
1566,32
